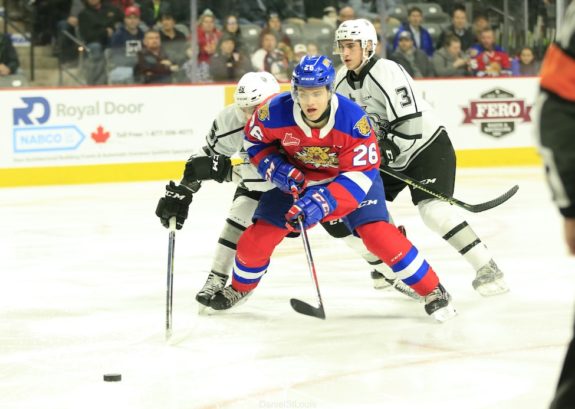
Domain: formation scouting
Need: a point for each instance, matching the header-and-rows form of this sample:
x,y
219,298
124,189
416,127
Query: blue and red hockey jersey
x,y
342,155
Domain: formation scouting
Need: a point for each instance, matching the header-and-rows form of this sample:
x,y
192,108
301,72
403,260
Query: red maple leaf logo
x,y
100,136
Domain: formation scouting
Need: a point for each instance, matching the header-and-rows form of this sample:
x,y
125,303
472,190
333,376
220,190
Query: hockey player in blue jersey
x,y
322,144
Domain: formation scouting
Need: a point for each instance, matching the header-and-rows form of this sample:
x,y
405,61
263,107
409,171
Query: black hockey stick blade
x,y
474,208
307,309
481,207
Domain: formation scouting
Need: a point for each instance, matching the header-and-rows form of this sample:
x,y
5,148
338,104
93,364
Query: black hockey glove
x,y
388,150
217,167
175,203
383,129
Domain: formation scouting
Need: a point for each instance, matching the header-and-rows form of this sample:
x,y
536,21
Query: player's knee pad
x,y
336,228
242,210
439,216
239,218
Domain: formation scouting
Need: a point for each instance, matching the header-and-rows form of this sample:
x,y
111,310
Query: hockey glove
x,y
312,207
389,151
175,203
282,174
383,129
216,167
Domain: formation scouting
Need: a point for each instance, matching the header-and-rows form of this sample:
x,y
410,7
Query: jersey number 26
x,y
365,154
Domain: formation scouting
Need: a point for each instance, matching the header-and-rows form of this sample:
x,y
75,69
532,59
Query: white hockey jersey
x,y
385,91
226,137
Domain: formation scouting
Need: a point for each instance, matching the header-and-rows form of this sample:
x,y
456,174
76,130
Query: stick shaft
x,y
170,277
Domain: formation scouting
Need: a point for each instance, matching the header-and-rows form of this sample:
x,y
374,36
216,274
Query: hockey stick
x,y
475,208
170,281
298,305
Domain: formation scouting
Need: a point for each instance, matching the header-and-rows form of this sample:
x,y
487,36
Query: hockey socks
x,y
386,241
246,278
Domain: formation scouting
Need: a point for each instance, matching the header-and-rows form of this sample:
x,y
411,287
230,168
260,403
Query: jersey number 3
x,y
365,154
404,95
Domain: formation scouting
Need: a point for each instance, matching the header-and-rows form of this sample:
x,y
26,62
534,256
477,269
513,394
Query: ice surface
x,y
82,293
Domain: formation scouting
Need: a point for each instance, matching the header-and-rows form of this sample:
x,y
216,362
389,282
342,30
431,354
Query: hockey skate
x,y
489,280
228,298
214,283
438,304
381,282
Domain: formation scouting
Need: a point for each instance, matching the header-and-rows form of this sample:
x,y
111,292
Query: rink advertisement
x,y
100,126
142,133
489,120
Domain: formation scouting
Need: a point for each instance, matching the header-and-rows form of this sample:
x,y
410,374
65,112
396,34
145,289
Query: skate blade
x,y
381,284
496,287
205,310
444,314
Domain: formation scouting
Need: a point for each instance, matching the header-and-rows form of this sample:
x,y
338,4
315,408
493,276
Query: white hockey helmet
x,y
361,30
254,87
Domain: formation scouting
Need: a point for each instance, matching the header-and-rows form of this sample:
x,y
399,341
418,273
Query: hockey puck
x,y
112,377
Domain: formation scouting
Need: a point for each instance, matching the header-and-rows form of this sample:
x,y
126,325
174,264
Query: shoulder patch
x,y
363,126
264,112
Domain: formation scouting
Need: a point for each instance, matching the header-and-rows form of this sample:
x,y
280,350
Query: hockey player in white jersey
x,y
212,162
412,140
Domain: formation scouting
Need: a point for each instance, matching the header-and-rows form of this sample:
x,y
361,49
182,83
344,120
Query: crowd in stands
x,y
149,41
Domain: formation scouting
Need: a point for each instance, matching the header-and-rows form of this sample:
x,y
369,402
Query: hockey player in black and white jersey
x,y
412,140
213,162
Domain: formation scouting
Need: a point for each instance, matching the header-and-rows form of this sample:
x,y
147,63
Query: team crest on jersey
x,y
363,126
264,112
317,156
290,140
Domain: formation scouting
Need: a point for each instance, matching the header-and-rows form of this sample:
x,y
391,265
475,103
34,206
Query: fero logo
x,y
497,112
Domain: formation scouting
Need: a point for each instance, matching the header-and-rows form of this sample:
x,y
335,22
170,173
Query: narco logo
x,y
497,111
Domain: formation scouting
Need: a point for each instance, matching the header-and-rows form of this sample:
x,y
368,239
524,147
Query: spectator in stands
x,y
232,29
152,10
9,62
525,64
458,28
97,23
227,64
274,26
208,37
363,8
47,14
421,37
487,58
449,60
299,50
312,49
270,58
345,13
125,44
414,60
66,48
480,23
174,42
330,16
153,66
